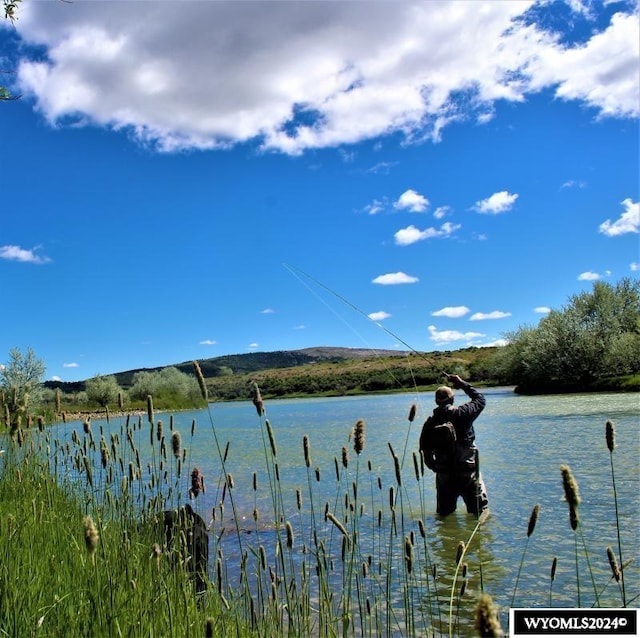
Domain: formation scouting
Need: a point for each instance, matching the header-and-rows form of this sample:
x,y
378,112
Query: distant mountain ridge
x,y
246,363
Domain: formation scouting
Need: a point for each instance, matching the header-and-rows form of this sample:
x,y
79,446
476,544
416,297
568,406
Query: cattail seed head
x,y
257,399
337,523
345,457
272,441
201,382
533,519
159,430
305,447
289,529
615,568
554,567
412,412
486,618
408,554
359,436
176,444
460,551
91,536
610,432
197,482
150,408
571,494
396,465
421,528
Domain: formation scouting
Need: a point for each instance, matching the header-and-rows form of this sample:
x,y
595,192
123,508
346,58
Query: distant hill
x,y
247,363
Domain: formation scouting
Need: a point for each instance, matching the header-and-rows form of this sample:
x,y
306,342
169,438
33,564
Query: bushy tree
x,y
21,384
596,336
102,390
168,386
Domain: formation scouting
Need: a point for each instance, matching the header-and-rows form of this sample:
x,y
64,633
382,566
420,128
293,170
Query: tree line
x,y
592,343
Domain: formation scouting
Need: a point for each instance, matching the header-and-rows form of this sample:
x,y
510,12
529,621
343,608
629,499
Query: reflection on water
x,y
522,441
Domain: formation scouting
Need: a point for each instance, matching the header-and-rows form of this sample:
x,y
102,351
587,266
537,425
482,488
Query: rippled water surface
x,y
523,441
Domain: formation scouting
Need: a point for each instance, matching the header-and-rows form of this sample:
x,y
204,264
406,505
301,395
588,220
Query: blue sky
x,y
172,170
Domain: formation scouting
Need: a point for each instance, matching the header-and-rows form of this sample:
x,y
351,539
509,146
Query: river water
x,y
523,441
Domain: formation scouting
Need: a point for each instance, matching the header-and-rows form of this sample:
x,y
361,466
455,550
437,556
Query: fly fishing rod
x,y
297,271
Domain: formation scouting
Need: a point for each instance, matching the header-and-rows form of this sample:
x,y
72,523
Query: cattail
x,y
416,466
412,412
230,481
305,447
289,529
150,408
257,399
200,378
554,567
91,536
460,551
58,400
159,430
421,528
615,568
317,471
299,499
345,457
208,628
337,523
359,436
120,401
396,464
486,618
197,482
86,426
408,554
610,435
571,494
533,519
263,558
41,423
176,444
272,441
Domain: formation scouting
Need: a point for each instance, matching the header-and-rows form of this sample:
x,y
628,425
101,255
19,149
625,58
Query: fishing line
x,y
294,270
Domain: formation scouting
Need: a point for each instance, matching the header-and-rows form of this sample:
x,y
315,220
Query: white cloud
x,y
379,316
453,312
267,311
411,234
588,276
55,377
496,314
542,310
441,211
498,343
412,201
377,206
208,342
296,76
299,327
634,266
253,346
497,203
70,365
447,336
572,183
628,222
16,253
391,279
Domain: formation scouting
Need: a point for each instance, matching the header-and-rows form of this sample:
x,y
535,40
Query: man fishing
x,y
447,443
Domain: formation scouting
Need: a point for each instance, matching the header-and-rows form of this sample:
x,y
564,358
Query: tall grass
x,y
82,549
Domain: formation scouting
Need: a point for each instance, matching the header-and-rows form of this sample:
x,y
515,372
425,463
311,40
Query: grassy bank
x,y
357,565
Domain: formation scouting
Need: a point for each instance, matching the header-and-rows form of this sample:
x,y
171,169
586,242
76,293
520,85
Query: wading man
x,y
447,444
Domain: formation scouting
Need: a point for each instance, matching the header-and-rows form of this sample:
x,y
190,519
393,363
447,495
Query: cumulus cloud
x,y
208,342
448,336
267,311
497,203
542,310
628,222
588,276
70,365
299,75
253,346
411,234
496,314
16,253
441,211
381,315
634,266
411,201
391,279
375,207
452,312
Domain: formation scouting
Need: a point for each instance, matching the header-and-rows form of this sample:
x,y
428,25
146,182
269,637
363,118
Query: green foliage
x,y
103,390
168,387
20,382
596,336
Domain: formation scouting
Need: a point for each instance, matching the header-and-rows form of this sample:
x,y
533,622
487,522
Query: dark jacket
x,y
462,418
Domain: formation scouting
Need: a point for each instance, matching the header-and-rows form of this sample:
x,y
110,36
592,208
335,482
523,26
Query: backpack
x,y
438,444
